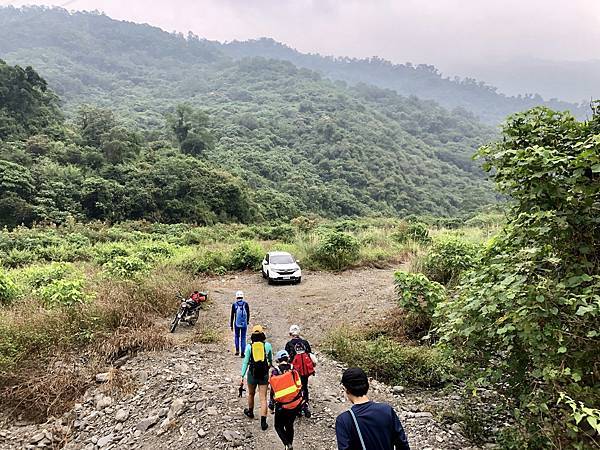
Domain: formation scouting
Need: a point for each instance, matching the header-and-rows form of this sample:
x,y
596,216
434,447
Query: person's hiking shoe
x,y
307,413
237,353
249,413
242,355
263,423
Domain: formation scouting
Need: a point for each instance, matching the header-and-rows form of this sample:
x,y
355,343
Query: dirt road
x,y
187,397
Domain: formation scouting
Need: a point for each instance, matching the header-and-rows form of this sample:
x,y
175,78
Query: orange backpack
x,y
287,389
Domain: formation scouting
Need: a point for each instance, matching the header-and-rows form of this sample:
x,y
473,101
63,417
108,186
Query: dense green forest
x,y
294,142
422,80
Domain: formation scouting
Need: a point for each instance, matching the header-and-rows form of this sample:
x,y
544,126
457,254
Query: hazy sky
x,y
451,34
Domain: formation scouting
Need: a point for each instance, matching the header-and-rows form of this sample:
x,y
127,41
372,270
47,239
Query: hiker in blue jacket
x,y
367,425
238,322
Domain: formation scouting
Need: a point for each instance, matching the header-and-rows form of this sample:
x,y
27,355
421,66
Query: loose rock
x,y
146,423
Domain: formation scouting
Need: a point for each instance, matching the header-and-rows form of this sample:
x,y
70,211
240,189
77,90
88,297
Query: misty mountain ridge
x,y
423,80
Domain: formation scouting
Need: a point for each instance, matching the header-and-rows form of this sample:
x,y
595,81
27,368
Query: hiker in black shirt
x,y
301,357
367,425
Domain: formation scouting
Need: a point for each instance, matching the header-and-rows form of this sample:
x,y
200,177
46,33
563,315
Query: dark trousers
x,y
239,338
284,424
304,381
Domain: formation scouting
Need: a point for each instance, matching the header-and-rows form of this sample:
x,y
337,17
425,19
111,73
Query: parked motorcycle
x,y
189,311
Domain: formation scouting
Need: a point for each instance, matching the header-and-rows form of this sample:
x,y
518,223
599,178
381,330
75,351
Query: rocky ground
x,y
187,397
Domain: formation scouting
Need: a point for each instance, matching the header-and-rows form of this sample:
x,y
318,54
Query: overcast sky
x,y
451,34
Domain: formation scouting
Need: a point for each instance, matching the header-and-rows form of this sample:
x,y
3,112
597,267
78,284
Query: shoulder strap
x,y
362,441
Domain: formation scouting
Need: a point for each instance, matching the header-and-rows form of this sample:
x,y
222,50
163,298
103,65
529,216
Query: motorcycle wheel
x,y
194,319
175,322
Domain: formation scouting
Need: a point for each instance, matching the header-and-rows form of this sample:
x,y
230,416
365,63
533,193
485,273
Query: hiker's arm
x,y
308,349
399,437
246,360
269,354
247,306
342,433
232,316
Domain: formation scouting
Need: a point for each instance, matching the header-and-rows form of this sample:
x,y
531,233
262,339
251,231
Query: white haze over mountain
x,y
545,46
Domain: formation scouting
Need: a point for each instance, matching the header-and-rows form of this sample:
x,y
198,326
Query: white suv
x,y
281,266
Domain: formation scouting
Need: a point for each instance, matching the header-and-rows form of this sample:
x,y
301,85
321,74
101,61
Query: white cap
x,y
239,294
295,330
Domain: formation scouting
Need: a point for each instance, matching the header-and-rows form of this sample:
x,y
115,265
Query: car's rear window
x,y
281,259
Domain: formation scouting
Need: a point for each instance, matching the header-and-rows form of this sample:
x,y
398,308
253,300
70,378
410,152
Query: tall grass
x,y
120,320
391,361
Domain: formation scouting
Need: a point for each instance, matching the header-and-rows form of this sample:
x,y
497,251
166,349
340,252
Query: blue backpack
x,y
241,317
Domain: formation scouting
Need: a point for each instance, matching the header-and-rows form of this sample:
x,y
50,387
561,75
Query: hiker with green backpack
x,y
258,358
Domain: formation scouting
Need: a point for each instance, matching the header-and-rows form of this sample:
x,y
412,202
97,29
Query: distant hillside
x,y
302,143
423,81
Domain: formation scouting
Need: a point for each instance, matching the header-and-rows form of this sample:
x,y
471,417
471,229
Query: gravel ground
x,y
187,397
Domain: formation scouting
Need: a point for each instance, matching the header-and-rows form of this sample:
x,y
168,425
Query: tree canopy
x,y
300,142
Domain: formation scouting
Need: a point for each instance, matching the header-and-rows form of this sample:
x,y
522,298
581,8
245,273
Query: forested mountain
x,y
301,143
423,80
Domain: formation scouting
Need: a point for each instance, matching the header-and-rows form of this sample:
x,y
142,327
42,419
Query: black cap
x,y
355,380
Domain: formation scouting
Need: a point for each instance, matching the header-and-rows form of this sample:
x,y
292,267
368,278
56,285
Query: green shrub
x,y
212,262
19,258
126,267
414,231
417,294
36,277
246,255
195,261
193,237
247,233
63,252
106,252
448,257
336,250
282,232
390,361
526,319
347,225
155,251
64,293
8,288
304,224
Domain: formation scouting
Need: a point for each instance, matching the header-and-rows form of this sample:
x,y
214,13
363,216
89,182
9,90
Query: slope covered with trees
x,y
423,80
301,143
97,168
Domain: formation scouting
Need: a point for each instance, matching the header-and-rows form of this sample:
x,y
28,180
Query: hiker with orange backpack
x,y
304,362
258,358
286,393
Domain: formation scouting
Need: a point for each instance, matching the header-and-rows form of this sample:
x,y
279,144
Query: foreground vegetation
x,y
515,315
